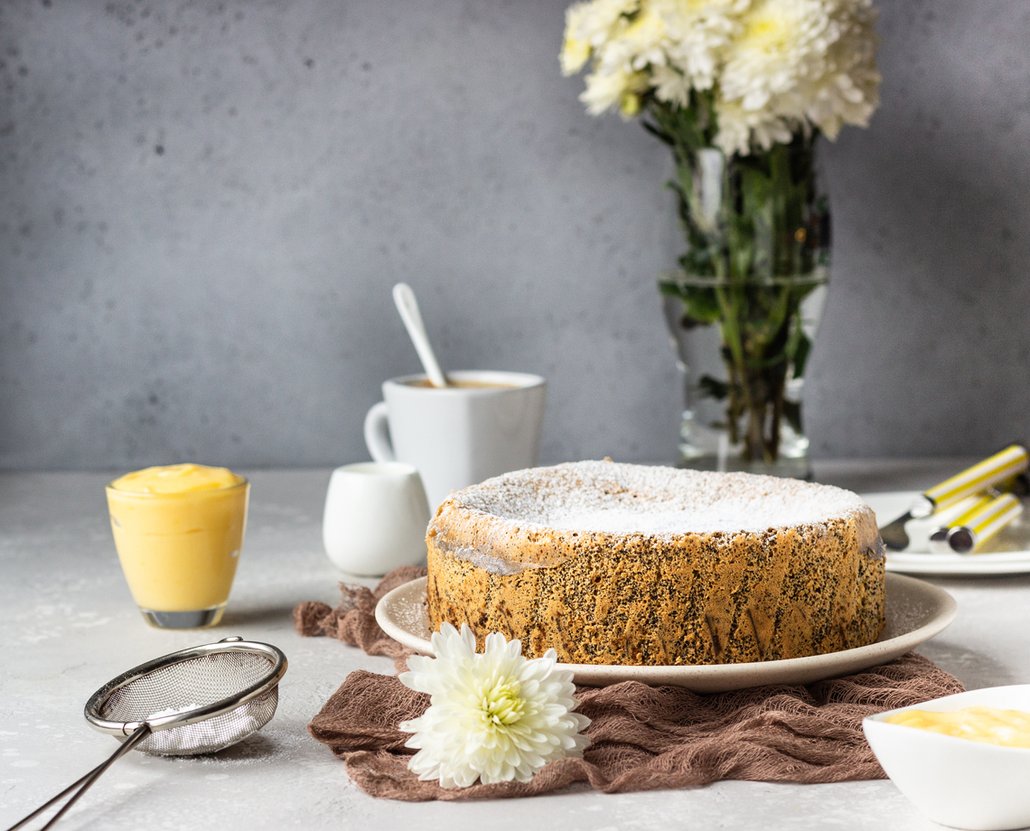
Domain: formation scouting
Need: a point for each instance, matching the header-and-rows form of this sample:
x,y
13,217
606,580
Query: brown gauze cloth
x,y
641,737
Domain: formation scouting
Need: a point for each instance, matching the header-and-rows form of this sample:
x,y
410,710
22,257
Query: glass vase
x,y
744,306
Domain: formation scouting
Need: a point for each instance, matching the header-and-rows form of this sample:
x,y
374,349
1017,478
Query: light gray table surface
x,y
69,624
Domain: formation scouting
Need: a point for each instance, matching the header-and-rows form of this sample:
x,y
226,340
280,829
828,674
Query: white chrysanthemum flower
x,y
638,43
849,90
671,85
609,90
668,45
795,63
493,716
588,27
741,129
696,32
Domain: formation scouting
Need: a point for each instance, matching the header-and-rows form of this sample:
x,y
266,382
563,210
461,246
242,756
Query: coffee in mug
x,y
483,424
425,383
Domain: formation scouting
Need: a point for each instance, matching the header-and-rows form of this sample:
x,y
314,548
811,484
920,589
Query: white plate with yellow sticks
x,y
916,611
1007,553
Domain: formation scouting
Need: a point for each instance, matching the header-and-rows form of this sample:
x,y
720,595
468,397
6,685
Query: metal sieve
x,y
197,700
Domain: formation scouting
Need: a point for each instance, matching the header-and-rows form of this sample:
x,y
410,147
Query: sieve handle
x,y
80,786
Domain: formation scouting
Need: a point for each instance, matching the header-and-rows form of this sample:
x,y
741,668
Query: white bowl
x,y
958,782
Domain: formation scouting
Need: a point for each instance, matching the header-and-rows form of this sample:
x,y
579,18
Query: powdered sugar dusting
x,y
622,499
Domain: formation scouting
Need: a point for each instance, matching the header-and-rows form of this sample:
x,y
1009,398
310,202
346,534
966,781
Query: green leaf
x,y
700,304
712,387
658,133
802,349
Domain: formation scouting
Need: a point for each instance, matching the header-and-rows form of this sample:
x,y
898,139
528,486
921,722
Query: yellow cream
x,y
184,478
1008,728
179,530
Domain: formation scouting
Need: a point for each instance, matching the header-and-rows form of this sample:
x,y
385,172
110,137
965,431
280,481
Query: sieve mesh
x,y
213,734
184,685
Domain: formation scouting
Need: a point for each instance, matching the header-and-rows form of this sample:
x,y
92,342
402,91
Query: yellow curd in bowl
x,y
993,725
178,530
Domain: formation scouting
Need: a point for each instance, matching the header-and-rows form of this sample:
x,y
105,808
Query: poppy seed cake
x,y
628,564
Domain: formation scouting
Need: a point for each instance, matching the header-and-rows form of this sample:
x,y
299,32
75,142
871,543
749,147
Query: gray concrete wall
x,y
203,207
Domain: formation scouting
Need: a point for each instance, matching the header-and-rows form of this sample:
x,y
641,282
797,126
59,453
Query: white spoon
x,y
407,305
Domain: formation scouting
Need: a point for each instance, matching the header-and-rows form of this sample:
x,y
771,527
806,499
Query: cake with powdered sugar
x,y
629,564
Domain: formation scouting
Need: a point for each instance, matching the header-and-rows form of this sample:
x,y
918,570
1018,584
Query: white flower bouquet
x,y
751,74
740,91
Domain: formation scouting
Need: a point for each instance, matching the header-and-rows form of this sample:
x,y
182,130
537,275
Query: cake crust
x,y
627,564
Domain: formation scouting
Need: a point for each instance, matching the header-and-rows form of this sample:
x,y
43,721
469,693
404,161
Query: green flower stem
x,y
754,249
739,389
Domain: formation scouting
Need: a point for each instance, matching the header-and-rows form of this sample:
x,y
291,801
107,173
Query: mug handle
x,y
377,434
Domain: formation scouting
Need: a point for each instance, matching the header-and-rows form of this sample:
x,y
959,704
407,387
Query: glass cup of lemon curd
x,y
178,530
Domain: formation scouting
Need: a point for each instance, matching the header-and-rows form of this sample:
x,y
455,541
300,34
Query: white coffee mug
x,y
458,435
375,518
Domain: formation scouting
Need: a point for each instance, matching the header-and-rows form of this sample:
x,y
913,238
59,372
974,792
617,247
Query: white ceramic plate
x,y
916,611
1009,551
